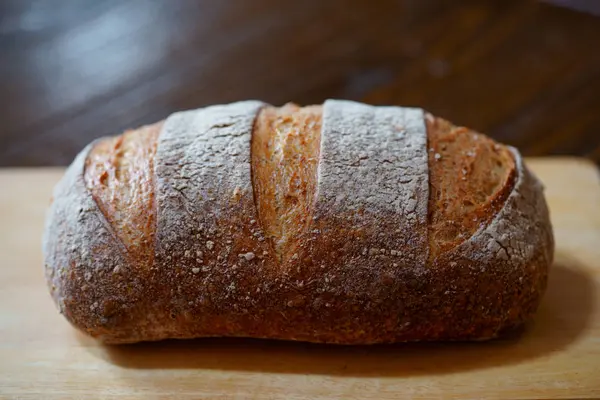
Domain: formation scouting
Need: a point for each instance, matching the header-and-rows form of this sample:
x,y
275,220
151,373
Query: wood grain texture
x,y
527,73
41,356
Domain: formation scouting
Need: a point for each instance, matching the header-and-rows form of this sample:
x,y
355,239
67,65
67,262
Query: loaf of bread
x,y
342,223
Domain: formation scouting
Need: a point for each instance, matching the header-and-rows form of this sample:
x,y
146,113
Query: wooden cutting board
x,y
558,356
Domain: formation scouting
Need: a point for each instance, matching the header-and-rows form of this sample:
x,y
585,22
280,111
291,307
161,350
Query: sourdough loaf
x,y
341,223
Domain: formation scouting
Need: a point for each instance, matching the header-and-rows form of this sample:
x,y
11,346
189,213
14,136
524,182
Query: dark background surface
x,y
526,73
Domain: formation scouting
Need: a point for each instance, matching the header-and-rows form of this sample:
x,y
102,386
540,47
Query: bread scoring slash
x,y
342,223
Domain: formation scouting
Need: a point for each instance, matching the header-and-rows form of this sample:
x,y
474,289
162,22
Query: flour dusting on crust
x,y
374,168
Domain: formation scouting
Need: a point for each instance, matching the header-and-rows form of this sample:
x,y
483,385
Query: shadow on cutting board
x,y
561,319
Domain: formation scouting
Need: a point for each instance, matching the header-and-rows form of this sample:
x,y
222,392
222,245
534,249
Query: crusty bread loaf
x,y
341,223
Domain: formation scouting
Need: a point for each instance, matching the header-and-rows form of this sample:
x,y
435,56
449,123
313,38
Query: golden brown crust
x,y
119,173
285,157
470,178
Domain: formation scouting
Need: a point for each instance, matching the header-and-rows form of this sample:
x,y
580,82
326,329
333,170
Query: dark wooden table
x,y
526,73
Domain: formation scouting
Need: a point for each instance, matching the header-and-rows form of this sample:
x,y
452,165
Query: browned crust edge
x,y
86,266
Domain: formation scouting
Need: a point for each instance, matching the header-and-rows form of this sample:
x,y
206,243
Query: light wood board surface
x,y
558,356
